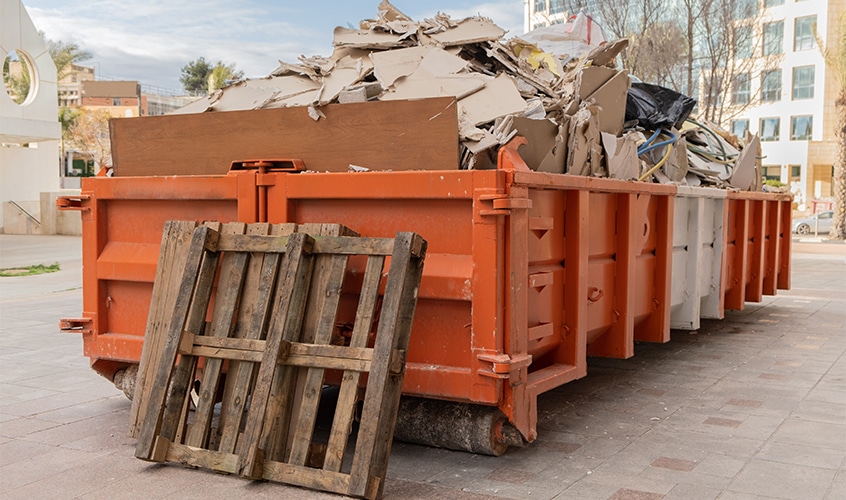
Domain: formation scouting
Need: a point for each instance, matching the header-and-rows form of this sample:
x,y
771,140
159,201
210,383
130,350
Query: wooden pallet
x,y
272,320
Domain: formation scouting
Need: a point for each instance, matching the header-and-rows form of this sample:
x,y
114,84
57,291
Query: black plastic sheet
x,y
656,107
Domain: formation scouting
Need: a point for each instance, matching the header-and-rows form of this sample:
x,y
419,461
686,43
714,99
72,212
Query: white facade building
x,y
794,110
792,103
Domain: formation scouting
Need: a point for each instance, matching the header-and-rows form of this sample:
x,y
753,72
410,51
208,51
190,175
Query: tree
x,y
221,74
200,78
65,55
835,58
90,135
16,78
195,77
67,117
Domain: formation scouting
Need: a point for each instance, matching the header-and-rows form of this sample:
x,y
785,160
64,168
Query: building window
x,y
801,127
744,9
739,127
803,33
769,129
540,5
556,6
740,89
771,85
743,42
795,172
773,36
772,172
773,3
803,82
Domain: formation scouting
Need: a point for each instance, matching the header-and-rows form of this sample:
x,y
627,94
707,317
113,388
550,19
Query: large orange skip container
x,y
526,275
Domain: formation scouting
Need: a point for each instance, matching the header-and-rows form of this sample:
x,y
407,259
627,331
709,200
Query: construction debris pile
x,y
557,86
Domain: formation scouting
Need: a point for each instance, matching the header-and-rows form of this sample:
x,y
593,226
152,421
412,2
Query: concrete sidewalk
x,y
753,406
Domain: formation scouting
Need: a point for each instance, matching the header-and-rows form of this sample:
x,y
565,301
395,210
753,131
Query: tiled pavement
x,y
753,406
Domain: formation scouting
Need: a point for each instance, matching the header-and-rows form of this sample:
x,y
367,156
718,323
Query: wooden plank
x,y
232,272
221,353
318,325
304,476
381,401
287,319
253,318
200,457
399,135
298,349
162,376
175,239
348,393
336,245
226,343
176,410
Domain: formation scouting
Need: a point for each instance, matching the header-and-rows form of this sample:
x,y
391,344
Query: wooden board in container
x,y
396,135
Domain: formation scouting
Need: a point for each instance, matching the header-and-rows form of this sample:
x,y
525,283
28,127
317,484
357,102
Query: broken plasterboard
x,y
583,149
366,39
591,78
470,30
240,97
611,99
347,72
439,62
621,156
499,98
389,65
458,86
677,165
545,150
745,172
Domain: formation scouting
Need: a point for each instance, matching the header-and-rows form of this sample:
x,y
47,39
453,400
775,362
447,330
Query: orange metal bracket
x,y
73,203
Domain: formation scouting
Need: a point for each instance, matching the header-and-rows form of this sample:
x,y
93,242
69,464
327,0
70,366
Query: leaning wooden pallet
x,y
272,319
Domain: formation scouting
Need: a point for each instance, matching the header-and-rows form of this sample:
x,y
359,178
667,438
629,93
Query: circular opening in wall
x,y
19,77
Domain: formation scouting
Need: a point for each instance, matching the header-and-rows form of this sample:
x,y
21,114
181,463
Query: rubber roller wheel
x,y
455,426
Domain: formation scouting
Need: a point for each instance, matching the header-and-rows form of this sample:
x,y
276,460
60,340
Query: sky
x,y
150,40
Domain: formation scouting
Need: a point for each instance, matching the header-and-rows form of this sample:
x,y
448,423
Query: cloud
x,y
150,41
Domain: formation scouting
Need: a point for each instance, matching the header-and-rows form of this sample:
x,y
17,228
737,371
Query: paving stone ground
x,y
750,407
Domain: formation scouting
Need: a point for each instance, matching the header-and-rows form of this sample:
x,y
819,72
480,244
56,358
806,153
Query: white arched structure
x,y
30,131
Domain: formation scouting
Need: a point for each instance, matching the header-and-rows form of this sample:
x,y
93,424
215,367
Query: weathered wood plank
x,y
253,317
181,311
335,245
232,272
318,325
200,457
289,310
399,135
175,238
381,400
348,395
176,410
304,476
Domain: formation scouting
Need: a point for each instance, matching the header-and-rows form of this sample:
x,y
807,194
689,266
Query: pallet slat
x,y
273,322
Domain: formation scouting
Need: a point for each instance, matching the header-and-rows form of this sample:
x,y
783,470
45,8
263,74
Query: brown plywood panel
x,y
397,135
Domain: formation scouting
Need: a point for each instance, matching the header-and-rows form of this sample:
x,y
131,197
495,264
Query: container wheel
x,y
455,426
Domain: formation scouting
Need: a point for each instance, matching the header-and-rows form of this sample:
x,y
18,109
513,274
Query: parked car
x,y
820,223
